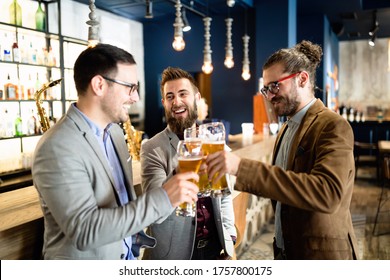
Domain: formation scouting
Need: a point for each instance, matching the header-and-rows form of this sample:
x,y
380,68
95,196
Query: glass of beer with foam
x,y
189,158
213,140
192,134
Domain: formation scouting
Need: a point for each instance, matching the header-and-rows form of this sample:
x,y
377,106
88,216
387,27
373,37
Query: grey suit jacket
x,y
83,219
315,190
176,235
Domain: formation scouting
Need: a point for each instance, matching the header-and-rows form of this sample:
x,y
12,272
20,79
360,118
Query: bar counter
x,y
21,220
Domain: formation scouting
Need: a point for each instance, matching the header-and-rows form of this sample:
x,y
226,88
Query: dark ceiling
x,y
350,19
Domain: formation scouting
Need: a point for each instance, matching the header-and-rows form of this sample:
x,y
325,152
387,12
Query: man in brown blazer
x,y
312,176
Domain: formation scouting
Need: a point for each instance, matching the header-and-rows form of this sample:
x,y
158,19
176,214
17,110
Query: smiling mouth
x,y
179,111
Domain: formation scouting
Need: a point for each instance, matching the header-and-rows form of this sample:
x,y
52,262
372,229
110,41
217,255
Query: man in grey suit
x,y
82,169
210,235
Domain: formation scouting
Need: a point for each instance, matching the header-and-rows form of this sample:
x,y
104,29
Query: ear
x,y
197,96
303,79
98,85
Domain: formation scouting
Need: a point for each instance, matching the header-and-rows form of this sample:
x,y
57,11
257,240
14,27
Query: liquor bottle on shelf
x,y
40,18
7,48
2,124
32,54
32,128
30,88
9,124
351,116
51,59
24,51
15,13
38,84
344,113
7,55
15,52
22,95
357,117
10,89
18,126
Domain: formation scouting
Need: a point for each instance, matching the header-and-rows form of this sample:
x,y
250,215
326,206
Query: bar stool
x,y
366,154
385,197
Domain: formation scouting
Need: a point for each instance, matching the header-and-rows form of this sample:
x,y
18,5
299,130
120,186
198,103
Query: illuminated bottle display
x,y
40,18
18,126
10,89
15,13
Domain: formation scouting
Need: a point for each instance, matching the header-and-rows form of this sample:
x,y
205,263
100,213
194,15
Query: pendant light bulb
x,y
246,75
229,62
178,43
207,67
230,3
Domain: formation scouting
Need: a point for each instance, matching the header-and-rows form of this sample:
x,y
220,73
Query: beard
x,y
177,125
286,105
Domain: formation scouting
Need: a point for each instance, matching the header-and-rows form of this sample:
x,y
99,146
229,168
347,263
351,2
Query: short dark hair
x,y
101,59
173,73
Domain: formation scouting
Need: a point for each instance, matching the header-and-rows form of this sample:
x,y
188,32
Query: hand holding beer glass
x,y
192,134
190,159
213,140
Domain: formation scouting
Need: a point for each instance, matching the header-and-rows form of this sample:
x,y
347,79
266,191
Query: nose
x,y
269,95
134,96
176,100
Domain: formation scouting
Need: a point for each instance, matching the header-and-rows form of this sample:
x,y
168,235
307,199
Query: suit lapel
x,y
91,140
173,139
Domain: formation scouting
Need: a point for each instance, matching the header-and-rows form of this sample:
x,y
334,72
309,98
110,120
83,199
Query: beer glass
x,y
190,159
213,140
192,134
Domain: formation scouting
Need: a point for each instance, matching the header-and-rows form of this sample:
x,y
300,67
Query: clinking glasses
x,y
133,87
273,87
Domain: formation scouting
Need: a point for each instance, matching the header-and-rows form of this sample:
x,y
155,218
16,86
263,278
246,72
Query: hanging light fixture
x,y
229,62
93,30
230,3
178,41
371,42
186,24
207,67
375,26
246,75
149,9
373,31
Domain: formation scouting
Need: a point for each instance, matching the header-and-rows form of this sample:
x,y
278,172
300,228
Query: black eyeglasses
x,y
273,87
133,87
